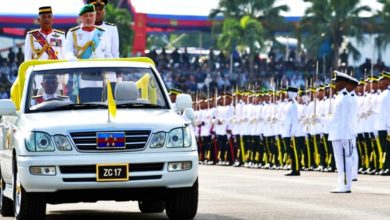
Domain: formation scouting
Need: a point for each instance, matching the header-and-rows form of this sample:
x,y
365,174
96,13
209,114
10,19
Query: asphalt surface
x,y
239,193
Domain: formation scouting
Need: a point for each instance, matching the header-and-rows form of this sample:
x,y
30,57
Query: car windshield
x,y
83,88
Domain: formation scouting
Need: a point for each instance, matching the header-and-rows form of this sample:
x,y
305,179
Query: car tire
x,y
183,203
6,205
27,205
151,206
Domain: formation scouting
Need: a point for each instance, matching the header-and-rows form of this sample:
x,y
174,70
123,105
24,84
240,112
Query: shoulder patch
x,y
58,31
108,23
99,28
74,28
32,31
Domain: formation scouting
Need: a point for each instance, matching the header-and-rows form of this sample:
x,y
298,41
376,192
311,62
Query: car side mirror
x,y
183,101
7,107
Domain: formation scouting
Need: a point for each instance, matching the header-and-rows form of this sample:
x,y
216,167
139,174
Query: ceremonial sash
x,y
45,46
85,52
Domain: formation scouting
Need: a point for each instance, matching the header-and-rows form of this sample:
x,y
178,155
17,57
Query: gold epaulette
x,y
32,31
58,31
74,28
102,29
108,23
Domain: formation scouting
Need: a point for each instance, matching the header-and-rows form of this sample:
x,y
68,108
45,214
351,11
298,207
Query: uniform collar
x,y
46,32
47,96
88,29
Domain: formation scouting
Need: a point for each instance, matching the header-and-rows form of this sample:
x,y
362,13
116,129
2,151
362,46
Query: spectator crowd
x,y
190,72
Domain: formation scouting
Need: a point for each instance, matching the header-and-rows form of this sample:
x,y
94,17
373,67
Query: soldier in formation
x,y
299,129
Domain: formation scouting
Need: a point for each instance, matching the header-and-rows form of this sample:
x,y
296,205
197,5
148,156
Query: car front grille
x,y
133,167
134,140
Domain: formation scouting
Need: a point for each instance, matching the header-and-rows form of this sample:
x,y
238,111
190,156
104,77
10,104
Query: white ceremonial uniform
x,y
36,40
340,134
301,117
291,124
113,37
77,41
383,120
354,121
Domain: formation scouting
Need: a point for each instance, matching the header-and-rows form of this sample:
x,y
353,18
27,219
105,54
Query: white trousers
x,y
355,159
341,158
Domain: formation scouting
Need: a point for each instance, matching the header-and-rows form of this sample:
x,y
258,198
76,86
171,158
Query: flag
x,y
110,100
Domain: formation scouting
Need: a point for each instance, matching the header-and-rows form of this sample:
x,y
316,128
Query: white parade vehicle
x,y
62,140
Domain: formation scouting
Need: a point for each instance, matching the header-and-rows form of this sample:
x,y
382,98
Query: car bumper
x,y
159,176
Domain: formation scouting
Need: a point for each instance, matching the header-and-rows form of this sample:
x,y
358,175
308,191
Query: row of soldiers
x,y
246,128
93,38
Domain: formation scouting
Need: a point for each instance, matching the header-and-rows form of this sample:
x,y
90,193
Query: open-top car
x,y
62,141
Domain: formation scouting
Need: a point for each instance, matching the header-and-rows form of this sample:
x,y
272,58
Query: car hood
x,y
97,119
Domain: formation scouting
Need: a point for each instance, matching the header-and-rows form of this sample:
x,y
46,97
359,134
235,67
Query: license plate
x,y
112,172
110,140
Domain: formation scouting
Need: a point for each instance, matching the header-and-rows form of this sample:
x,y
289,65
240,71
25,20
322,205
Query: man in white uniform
x,y
340,134
290,127
44,43
110,28
87,40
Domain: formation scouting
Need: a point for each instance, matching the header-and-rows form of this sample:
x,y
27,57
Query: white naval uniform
x,y
113,37
103,50
290,124
354,115
383,120
340,134
56,39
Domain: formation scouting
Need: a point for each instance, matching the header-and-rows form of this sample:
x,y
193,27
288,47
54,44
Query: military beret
x,y
87,8
45,10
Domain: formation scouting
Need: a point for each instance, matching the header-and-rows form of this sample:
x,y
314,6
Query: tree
x,y
122,18
243,24
263,10
382,18
331,21
245,33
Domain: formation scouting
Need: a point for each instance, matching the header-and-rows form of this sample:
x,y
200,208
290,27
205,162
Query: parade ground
x,y
239,193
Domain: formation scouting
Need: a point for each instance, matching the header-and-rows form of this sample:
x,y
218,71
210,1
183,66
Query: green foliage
x,y
122,18
333,20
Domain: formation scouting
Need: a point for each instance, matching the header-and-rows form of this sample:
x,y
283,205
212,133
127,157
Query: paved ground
x,y
238,193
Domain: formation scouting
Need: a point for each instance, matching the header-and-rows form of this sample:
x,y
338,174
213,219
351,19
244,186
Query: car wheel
x,y
183,203
6,205
27,205
151,206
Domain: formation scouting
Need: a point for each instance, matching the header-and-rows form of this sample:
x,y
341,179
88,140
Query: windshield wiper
x,y
138,105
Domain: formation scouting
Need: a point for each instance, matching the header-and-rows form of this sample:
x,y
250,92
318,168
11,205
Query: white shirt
x,y
340,121
56,39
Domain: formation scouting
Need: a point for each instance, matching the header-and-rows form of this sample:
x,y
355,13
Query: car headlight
x,y
62,143
158,140
39,142
179,137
